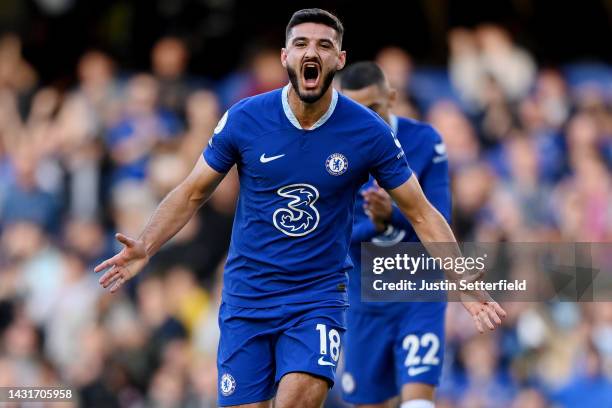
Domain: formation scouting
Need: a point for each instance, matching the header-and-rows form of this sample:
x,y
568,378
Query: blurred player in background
x,y
393,349
302,153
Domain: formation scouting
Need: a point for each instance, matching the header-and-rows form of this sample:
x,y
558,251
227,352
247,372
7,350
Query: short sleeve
x,y
389,166
222,153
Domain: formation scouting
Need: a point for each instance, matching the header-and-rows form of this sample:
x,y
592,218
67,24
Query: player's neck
x,y
309,113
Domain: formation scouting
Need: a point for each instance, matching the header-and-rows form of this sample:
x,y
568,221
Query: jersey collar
x,y
393,123
293,119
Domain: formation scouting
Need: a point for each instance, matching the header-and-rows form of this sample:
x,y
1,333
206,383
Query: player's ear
x,y
284,57
392,96
341,60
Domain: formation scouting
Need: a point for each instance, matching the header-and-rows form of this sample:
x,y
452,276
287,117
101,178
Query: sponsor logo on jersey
x,y
300,216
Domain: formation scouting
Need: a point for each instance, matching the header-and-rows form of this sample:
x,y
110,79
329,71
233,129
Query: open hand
x,y
483,309
123,266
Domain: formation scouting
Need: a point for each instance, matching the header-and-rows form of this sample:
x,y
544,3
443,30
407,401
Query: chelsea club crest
x,y
227,384
336,164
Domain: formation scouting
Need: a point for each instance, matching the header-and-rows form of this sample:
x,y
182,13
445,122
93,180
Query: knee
x,y
418,391
299,390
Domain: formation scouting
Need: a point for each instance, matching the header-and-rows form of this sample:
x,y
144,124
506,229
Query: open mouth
x,y
311,74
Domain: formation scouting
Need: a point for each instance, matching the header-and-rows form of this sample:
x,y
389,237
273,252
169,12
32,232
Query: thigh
x,y
369,358
245,359
419,346
310,343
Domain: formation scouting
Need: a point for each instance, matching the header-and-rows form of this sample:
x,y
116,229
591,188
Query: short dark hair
x,y
361,75
315,15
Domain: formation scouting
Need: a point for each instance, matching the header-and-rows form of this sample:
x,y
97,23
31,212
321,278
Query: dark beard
x,y
327,80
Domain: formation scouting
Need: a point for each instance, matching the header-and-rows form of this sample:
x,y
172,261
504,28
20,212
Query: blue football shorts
x,y
258,346
387,348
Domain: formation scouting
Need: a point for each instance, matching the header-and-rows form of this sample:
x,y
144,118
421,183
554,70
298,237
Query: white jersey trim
x,y
394,124
293,119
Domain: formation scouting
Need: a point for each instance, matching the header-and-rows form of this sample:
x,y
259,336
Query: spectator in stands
x,y
488,52
16,73
397,66
458,133
144,125
23,199
169,59
203,112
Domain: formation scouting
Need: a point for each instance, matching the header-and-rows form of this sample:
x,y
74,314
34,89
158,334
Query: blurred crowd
x,y
530,159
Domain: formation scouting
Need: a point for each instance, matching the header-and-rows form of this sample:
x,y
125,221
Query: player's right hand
x,y
378,204
125,265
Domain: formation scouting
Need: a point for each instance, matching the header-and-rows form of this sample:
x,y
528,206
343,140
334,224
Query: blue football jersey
x,y
294,216
426,153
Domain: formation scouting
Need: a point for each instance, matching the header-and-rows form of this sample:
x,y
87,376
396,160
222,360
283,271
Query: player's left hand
x,y
484,310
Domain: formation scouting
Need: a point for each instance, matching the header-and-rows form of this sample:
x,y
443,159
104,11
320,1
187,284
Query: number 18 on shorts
x,y
259,346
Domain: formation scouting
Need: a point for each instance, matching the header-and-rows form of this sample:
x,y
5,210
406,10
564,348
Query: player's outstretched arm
x,y
431,227
170,216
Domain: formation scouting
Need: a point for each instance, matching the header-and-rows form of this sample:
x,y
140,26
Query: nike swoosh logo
x,y
414,371
265,159
325,363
